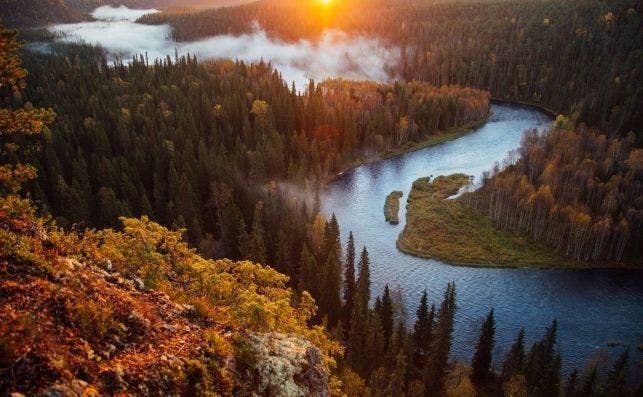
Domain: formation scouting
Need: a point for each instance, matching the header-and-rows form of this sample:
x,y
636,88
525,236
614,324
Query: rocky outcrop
x,y
287,365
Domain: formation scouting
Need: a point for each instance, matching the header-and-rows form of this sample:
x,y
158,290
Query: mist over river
x,y
596,309
335,54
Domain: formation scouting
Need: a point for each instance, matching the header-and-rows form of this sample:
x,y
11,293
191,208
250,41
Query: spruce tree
x,y
514,360
349,278
422,332
387,316
542,366
363,290
481,363
616,383
572,384
437,361
306,273
257,238
588,389
361,323
330,300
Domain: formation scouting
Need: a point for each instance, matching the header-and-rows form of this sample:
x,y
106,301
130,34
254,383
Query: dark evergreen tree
x,y
572,384
436,367
422,331
362,323
590,383
515,358
481,363
306,275
542,366
349,278
386,316
616,384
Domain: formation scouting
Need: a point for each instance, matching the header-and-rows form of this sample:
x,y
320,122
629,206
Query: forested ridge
x,y
27,14
578,191
580,57
188,144
38,13
230,157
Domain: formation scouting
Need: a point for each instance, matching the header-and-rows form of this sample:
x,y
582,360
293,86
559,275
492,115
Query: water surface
x,y
594,308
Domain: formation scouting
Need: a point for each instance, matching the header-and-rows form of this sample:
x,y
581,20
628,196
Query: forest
x,y
382,356
27,14
200,181
187,143
582,58
578,191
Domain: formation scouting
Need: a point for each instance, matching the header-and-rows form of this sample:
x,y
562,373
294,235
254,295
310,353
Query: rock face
x,y
288,366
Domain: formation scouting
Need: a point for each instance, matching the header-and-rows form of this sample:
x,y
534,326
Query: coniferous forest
x,y
581,57
161,223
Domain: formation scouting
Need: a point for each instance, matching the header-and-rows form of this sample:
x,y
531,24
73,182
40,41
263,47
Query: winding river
x,y
597,310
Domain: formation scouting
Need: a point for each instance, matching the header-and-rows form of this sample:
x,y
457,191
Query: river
x,y
596,309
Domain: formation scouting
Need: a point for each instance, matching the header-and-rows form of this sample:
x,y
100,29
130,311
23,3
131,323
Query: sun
x,y
325,2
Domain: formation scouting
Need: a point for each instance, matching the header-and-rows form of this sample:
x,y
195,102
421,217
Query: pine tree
x,y
514,360
542,366
437,361
481,363
616,383
363,290
243,239
330,299
422,333
373,356
588,389
361,322
257,239
387,317
349,278
572,384
306,274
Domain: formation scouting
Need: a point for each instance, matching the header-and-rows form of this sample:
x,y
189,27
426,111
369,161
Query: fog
x,y
335,54
122,13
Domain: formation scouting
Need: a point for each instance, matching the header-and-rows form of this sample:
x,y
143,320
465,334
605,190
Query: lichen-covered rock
x,y
288,366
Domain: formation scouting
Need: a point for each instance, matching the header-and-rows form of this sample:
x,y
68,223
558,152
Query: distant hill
x,y
35,13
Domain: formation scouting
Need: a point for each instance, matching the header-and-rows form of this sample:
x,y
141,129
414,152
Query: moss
x,y
392,207
448,230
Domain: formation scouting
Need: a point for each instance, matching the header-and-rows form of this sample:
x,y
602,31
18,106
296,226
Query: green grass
x,y
452,232
392,207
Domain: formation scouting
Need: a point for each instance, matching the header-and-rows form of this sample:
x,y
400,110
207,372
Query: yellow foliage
x,y
92,318
515,387
21,121
242,294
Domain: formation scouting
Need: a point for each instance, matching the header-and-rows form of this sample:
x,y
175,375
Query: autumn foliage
x,y
578,191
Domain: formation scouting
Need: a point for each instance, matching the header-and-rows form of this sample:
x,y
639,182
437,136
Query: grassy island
x,y
440,228
392,207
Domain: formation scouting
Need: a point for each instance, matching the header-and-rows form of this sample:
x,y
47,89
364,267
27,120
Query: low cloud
x,y
335,54
122,13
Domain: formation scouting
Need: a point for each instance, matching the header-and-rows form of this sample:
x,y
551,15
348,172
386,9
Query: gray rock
x,y
287,366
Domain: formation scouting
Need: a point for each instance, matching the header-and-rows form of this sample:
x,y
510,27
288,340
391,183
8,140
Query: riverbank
x,y
426,141
447,230
544,109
